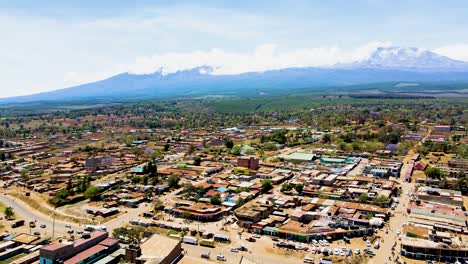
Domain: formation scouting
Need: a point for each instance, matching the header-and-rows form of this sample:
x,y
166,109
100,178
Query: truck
x,y
91,228
190,240
325,261
207,243
221,238
17,223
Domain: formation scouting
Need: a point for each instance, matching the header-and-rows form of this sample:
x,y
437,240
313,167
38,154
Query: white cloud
x,y
262,58
456,51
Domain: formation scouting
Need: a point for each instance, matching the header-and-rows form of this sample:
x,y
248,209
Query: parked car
x,y
221,257
357,251
301,247
37,233
205,255
233,249
43,226
251,239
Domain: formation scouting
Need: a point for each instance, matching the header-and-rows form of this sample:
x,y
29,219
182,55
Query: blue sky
x,y
48,45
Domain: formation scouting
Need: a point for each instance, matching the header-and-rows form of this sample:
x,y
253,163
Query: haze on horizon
x,y
48,45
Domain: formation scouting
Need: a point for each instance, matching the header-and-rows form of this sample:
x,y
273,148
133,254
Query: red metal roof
x,y
55,246
108,242
85,254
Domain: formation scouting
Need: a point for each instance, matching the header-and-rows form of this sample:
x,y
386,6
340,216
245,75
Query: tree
x,y
462,182
9,212
299,187
215,199
144,180
92,192
286,187
381,200
443,183
363,198
197,161
266,185
158,204
270,145
62,194
326,138
135,179
166,147
228,143
434,173
69,184
236,150
240,201
150,168
173,181
261,153
24,175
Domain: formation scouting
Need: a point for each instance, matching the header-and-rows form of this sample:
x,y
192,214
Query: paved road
x,y
232,257
28,214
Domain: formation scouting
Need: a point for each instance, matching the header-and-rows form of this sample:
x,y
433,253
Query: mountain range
x,y
384,65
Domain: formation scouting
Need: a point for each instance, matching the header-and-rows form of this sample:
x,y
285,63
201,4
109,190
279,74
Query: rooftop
x,y
157,247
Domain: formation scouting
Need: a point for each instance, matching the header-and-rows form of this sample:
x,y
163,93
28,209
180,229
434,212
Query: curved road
x,y
24,211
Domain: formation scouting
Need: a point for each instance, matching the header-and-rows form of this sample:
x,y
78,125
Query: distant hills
x,y
385,65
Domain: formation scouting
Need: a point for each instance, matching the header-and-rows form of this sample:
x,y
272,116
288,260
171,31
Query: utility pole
x,y
53,224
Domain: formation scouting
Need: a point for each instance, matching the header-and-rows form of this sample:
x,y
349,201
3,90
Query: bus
x,y
207,243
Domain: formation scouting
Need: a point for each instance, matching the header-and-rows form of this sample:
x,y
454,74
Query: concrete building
x,y
160,249
251,163
60,252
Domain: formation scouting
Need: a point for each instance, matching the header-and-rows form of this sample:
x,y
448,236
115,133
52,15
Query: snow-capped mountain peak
x,y
404,58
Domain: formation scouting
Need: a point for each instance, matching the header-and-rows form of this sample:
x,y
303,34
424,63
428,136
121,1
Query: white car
x,y
300,247
312,250
233,249
368,243
68,226
398,232
357,251
336,251
342,253
221,257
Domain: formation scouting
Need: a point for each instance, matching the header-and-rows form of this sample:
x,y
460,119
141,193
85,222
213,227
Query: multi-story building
x,y
251,163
